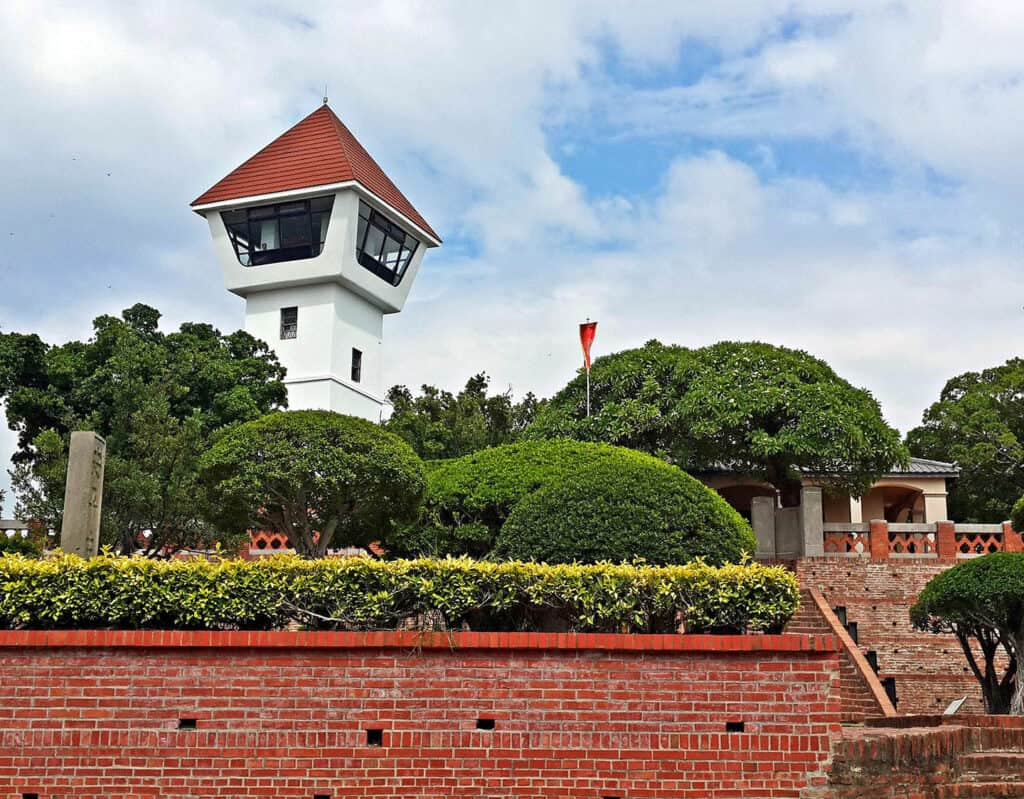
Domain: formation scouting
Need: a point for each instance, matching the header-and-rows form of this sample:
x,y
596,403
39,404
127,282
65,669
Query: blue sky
x,y
838,176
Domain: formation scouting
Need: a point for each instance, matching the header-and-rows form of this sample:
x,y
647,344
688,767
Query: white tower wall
x,y
341,304
331,322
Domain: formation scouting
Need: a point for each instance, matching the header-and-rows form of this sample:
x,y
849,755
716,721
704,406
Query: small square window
x,y
289,323
357,365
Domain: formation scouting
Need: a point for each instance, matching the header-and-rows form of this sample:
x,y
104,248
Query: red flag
x,y
587,332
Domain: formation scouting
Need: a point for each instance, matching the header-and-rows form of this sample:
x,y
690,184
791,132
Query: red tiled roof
x,y
317,151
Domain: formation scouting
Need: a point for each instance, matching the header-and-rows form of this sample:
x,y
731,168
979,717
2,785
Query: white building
x,y
321,244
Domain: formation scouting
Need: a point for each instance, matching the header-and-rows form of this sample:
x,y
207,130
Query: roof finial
x,y
325,92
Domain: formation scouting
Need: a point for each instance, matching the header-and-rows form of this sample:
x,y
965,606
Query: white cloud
x,y
899,284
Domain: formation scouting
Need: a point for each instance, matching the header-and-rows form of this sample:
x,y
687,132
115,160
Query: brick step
x,y
982,790
991,766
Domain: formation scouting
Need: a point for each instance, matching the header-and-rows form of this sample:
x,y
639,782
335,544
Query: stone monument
x,y
83,495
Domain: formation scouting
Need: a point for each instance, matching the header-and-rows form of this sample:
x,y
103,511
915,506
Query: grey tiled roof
x,y
930,467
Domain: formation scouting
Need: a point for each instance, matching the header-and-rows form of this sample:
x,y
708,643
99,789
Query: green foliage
x,y
468,498
767,412
978,423
156,398
1017,514
981,602
618,509
306,472
365,594
16,545
439,424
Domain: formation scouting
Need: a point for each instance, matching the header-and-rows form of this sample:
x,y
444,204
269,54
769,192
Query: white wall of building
x,y
336,263
341,304
331,322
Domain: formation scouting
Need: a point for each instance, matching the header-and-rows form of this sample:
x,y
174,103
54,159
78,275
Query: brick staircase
x,y
976,758
986,774
862,695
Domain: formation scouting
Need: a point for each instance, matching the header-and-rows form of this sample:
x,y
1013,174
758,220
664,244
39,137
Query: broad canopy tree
x,y
768,412
321,478
157,398
978,423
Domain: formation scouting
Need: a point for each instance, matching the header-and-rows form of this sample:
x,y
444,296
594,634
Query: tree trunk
x,y
1017,700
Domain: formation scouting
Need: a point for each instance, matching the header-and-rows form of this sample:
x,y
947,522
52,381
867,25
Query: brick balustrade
x,y
945,541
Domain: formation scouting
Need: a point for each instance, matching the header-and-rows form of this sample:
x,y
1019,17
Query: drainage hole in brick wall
x,y
734,726
321,796
30,796
187,724
485,724
375,737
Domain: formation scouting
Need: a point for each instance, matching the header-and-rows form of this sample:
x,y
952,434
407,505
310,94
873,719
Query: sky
x,y
841,176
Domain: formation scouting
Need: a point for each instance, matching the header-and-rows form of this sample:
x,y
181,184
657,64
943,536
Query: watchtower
x,y
321,244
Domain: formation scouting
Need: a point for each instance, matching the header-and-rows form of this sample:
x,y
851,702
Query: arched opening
x,y
894,503
742,496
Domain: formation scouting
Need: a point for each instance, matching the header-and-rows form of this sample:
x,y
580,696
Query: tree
x,y
621,508
978,423
438,424
156,398
981,602
468,499
767,412
318,477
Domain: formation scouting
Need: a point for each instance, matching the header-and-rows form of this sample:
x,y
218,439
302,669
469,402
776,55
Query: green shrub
x,y
625,508
468,499
365,594
16,545
296,472
981,602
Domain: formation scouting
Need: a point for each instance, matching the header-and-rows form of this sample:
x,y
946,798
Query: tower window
x,y
357,365
289,323
269,234
383,247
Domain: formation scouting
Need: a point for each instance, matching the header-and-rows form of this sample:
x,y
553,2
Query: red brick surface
x,y
930,670
862,694
285,715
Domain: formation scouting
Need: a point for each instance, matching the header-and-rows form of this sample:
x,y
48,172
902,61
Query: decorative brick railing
x,y
848,539
880,540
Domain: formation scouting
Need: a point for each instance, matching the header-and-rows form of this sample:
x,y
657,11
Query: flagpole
x,y
588,391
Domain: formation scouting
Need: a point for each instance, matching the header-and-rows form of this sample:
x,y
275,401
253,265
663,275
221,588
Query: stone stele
x,y
83,495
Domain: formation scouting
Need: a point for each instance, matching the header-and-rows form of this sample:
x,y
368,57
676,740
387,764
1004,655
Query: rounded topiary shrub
x,y
468,499
323,479
619,509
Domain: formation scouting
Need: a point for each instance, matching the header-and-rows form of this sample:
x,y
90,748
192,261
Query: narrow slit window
x,y
289,323
357,365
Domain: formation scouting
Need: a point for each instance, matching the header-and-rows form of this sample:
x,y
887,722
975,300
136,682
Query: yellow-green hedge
x,y
364,594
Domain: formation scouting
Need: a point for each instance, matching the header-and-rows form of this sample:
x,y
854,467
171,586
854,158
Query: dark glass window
x,y
383,247
357,365
269,234
289,323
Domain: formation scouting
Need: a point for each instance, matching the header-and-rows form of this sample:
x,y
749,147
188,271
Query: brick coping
x,y
409,639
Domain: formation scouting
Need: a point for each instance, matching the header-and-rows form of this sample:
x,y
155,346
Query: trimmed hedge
x,y
468,498
363,594
621,509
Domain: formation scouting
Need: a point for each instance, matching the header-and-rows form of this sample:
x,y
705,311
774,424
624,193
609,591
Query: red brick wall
x,y
284,715
862,694
930,670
